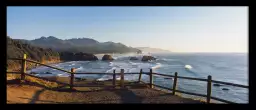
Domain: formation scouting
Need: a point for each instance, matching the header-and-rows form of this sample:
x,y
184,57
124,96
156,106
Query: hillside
x,y
153,50
86,45
16,49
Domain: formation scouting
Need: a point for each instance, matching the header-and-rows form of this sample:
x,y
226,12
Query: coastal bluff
x,y
16,49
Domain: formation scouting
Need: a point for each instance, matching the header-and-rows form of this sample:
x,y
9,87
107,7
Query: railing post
x,y
122,78
209,88
151,79
72,78
174,83
140,75
23,68
114,78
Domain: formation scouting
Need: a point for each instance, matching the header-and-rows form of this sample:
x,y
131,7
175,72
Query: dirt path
x,y
34,94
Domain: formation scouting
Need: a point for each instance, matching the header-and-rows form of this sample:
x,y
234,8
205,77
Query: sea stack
x,y
107,58
147,58
225,89
139,52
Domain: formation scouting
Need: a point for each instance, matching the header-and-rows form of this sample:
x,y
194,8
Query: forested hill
x,y
16,49
86,45
44,50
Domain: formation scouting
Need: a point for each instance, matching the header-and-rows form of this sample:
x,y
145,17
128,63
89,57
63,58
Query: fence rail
x,y
122,85
48,66
47,79
222,100
231,84
14,72
163,87
190,93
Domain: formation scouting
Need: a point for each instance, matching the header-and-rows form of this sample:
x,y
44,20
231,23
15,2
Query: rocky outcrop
x,y
69,56
139,52
225,89
217,85
16,49
168,78
134,58
107,58
147,58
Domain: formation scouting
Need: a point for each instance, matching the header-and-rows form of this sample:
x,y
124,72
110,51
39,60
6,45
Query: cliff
x,y
17,48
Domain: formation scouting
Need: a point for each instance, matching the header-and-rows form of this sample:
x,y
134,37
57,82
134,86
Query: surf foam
x,y
188,66
158,65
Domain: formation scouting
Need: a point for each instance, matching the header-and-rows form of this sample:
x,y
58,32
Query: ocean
x,y
228,67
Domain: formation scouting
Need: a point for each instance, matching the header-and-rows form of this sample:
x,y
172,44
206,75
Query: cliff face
x,y
16,49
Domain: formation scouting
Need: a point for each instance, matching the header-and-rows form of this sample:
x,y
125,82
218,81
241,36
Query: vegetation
x,y
16,49
80,45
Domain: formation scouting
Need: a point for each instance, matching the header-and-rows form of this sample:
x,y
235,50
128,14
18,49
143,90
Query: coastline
x,y
184,86
30,67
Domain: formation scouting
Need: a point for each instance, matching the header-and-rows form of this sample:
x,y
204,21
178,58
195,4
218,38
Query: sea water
x,y
228,67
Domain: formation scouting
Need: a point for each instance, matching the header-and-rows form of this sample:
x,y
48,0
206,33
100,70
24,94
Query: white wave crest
x,y
158,65
166,59
80,68
110,70
188,66
111,64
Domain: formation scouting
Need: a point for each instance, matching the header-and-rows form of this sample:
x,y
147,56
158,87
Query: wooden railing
x,y
122,85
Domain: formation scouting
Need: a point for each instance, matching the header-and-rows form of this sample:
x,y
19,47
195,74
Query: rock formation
x,y
107,58
147,58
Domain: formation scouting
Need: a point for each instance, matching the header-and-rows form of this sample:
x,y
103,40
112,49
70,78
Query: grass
x,y
12,76
66,80
47,84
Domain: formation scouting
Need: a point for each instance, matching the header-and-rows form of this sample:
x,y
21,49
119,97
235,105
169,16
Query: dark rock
x,y
80,79
33,73
147,58
167,78
48,73
217,85
225,89
134,58
107,58
109,80
139,52
70,56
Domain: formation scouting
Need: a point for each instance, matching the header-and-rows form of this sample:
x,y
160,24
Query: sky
x,y
179,29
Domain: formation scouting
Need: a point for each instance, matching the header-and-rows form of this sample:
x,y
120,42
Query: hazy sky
x,y
180,29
